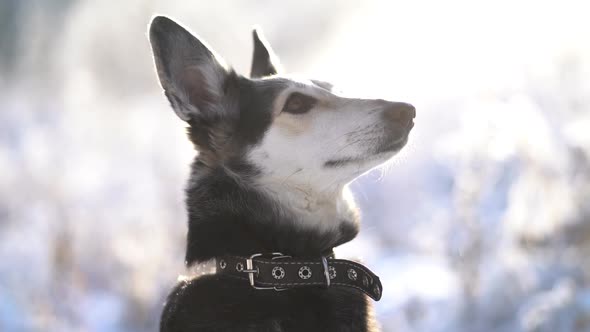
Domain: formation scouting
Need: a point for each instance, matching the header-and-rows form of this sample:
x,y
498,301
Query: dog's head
x,y
299,131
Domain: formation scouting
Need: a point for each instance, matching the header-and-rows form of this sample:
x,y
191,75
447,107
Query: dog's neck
x,y
315,208
235,210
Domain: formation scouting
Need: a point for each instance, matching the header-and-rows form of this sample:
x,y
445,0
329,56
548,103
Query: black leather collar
x,y
279,272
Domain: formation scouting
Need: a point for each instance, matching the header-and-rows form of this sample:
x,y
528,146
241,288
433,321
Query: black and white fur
x,y
275,155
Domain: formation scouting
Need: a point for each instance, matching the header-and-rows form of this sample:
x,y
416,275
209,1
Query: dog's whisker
x,y
290,175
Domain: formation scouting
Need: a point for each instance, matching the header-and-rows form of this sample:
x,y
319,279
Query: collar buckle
x,y
251,270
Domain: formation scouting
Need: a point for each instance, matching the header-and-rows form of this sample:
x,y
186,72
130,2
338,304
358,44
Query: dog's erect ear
x,y
191,75
264,61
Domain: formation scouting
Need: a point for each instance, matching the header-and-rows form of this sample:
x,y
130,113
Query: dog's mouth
x,y
384,150
391,146
396,141
381,152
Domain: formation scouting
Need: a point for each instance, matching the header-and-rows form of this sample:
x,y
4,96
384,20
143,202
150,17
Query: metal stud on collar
x,y
278,272
332,271
222,264
352,275
305,272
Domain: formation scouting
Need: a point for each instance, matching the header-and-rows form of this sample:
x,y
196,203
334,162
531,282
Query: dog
x,y
268,190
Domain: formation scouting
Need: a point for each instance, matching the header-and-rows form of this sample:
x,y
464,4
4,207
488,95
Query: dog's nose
x,y
402,113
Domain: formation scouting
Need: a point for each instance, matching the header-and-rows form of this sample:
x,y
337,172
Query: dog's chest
x,y
214,303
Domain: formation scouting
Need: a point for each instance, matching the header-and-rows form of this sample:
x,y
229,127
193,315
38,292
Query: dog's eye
x,y
298,103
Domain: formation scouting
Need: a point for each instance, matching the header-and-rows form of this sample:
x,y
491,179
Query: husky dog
x,y
274,157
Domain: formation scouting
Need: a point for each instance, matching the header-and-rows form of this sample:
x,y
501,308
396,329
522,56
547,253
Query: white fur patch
x,y
294,152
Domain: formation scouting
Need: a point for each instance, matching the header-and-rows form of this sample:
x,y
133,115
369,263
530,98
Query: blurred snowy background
x,y
482,224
